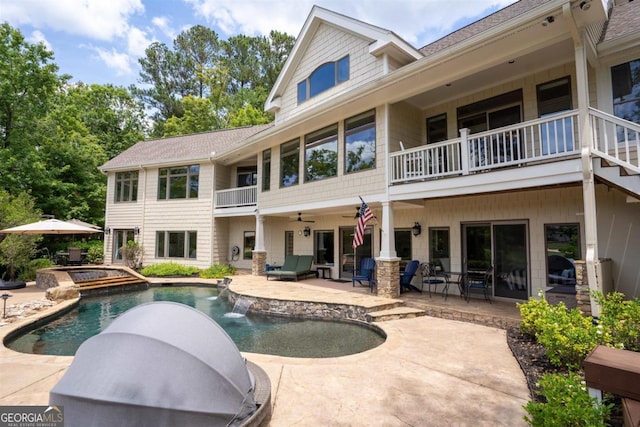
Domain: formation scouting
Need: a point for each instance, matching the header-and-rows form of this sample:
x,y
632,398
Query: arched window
x,y
323,78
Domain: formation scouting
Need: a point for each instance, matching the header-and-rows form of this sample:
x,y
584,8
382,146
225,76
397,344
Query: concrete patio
x,y
430,371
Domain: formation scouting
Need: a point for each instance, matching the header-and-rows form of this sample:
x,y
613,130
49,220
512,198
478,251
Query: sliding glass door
x,y
347,252
502,245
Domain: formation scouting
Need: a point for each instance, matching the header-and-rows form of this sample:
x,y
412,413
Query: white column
x,y
259,234
588,181
388,241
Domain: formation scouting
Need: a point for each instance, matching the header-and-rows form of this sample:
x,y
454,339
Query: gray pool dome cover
x,y
158,364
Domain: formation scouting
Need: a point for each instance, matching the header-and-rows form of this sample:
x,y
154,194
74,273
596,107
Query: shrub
x,y
29,272
218,271
132,254
169,269
567,336
531,312
619,323
568,403
95,254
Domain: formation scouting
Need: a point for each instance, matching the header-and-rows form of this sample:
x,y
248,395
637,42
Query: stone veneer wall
x,y
388,278
582,288
259,263
302,309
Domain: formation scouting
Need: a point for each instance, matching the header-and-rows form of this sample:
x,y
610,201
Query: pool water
x,y
251,333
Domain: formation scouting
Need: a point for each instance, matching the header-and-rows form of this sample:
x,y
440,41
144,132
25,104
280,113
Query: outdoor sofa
x,y
294,267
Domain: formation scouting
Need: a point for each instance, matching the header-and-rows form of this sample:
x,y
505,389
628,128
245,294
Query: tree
x,y
109,113
28,79
16,250
235,76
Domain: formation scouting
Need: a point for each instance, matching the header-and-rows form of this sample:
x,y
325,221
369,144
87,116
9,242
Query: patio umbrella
x,y
50,226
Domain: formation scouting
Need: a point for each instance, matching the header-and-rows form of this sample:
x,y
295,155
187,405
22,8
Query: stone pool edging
x,y
302,309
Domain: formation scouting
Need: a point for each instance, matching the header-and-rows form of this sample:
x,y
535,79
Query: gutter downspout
x,y
586,138
212,229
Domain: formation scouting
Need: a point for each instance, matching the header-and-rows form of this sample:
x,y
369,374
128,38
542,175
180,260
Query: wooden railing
x,y
237,197
536,140
615,140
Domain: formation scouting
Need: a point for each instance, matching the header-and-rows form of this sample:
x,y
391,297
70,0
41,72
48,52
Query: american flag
x,y
364,215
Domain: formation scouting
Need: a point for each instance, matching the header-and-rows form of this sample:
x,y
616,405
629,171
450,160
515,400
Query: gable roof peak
x,y
382,41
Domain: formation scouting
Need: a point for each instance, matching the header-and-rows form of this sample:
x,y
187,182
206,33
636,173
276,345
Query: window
x,y
403,243
437,129
323,78
625,80
176,244
247,176
439,247
321,154
289,163
249,243
126,186
266,170
555,97
360,142
323,247
178,183
563,248
288,243
491,113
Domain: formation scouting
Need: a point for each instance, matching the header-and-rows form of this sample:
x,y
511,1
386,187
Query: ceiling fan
x,y
300,219
356,216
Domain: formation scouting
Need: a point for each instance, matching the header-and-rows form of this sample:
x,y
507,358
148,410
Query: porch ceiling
x,y
514,68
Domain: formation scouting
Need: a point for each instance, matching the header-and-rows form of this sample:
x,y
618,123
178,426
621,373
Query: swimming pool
x,y
254,334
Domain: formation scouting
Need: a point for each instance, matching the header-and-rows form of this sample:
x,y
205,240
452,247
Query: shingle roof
x,y
484,24
181,148
624,20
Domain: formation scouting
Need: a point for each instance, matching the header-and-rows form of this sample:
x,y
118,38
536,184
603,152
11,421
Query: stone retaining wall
x,y
302,309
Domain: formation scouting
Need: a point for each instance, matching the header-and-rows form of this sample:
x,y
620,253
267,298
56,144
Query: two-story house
x,y
512,142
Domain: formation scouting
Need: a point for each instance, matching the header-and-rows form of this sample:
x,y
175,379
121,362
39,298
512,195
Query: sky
x,y
100,41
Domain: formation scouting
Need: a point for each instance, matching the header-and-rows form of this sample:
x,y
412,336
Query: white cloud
x,y
162,23
117,61
137,42
417,21
99,20
37,37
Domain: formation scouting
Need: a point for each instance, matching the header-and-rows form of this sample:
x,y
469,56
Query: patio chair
x,y
365,272
75,256
431,277
407,276
480,281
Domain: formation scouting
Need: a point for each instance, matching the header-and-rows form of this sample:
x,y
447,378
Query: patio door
x,y
347,252
120,238
502,245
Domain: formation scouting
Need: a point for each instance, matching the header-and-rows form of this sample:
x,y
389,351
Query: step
x,y
394,314
121,281
104,279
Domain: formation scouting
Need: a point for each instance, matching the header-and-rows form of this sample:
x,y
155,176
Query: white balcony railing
x,y
237,197
532,141
615,140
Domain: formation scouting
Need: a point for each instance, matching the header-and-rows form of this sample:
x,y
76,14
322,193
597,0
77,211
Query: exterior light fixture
x,y
136,230
307,232
548,20
107,231
585,5
416,229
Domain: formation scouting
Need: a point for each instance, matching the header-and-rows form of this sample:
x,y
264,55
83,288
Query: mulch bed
x,y
534,363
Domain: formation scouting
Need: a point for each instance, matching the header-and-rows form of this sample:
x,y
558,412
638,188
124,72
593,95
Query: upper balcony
x,y
237,197
523,143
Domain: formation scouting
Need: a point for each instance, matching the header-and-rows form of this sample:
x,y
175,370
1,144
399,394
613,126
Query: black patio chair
x,y
479,281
